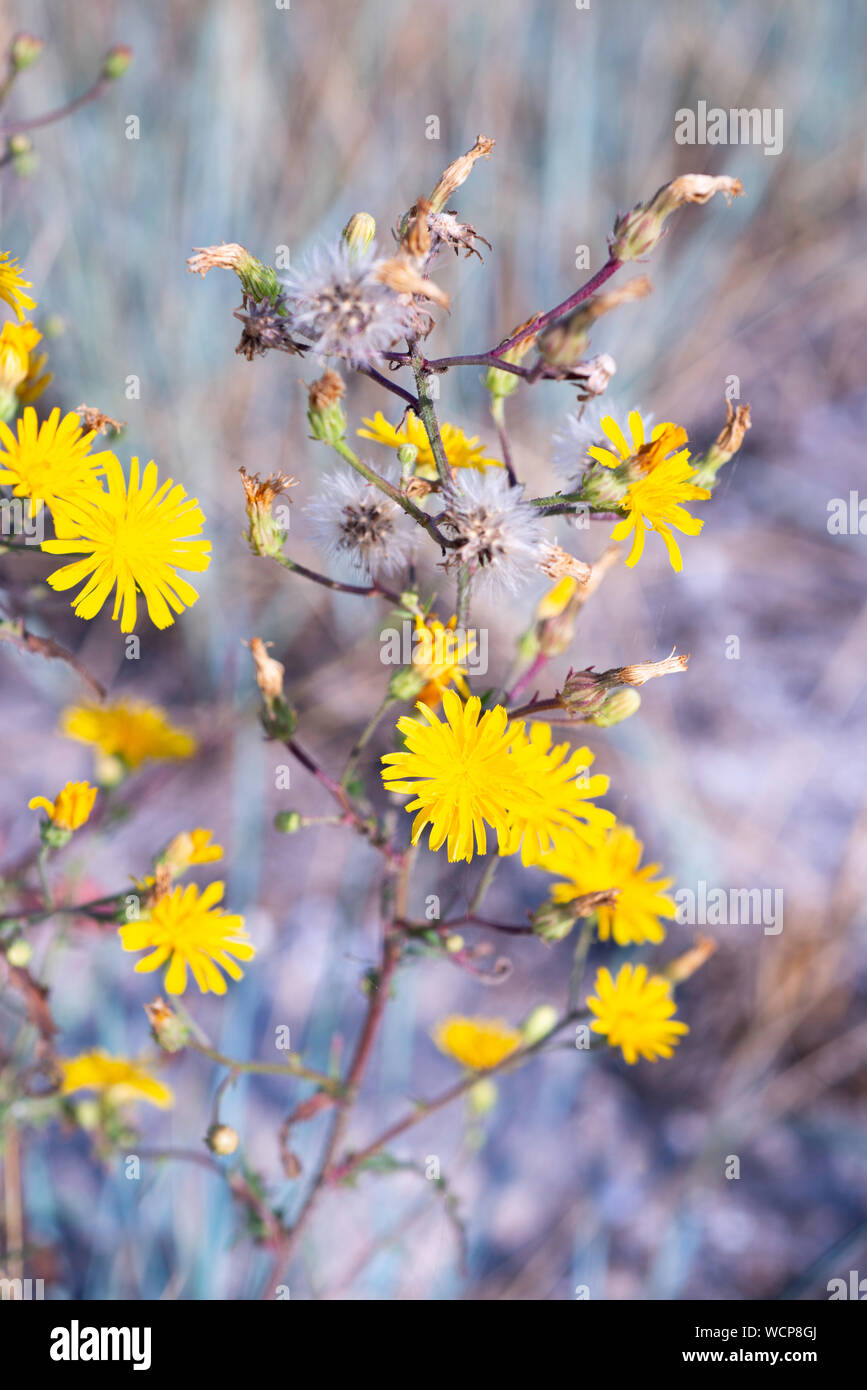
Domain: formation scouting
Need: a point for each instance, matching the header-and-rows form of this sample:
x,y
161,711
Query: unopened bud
x,y
324,409
222,1140
19,953
168,1028
538,1023
618,706
482,1097
116,62
500,383
265,535
288,822
24,51
636,233
359,231
454,943
690,961
554,921
406,457
728,441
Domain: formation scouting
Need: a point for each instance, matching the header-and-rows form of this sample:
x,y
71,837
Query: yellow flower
x,y
558,598
661,483
613,863
130,731
185,850
135,537
439,657
50,462
189,929
119,1078
461,452
560,807
188,848
635,1013
72,807
477,1043
13,285
20,378
461,773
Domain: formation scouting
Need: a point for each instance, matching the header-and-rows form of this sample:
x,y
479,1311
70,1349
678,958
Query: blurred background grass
x,y
270,127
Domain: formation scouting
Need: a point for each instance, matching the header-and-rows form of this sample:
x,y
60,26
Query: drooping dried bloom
x,y
557,563
92,418
636,233
265,534
269,671
402,276
499,536
727,444
459,171
644,671
338,301
357,523
259,281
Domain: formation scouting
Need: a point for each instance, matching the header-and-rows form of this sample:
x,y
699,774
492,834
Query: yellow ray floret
x,y
560,807
634,1013
461,451
72,807
50,463
130,730
189,929
117,1077
475,770
642,898
477,1043
13,285
134,537
439,656
661,482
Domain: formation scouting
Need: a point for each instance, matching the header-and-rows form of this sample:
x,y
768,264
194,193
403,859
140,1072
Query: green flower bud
x,y
538,1023
325,409
168,1029
24,51
116,62
482,1097
54,836
406,683
279,720
554,921
288,822
618,706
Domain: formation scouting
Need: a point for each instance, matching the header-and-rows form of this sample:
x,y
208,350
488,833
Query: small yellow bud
x,y
538,1023
359,231
116,61
19,953
482,1097
222,1140
24,51
454,943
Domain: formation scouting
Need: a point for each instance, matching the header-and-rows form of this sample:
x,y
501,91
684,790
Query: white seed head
x,y
337,301
357,524
500,535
